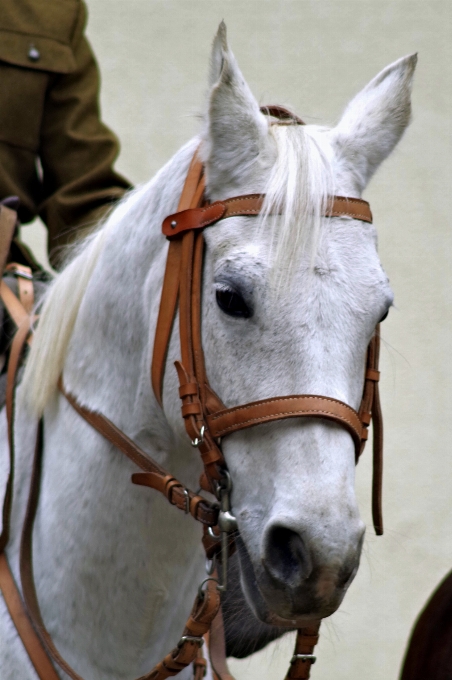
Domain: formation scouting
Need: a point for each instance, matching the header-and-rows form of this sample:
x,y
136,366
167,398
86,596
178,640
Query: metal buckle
x,y
199,440
201,591
190,638
304,658
187,501
19,274
213,535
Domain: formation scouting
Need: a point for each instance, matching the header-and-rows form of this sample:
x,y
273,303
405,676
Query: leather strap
x,y
377,425
294,406
249,206
282,114
303,658
370,411
38,657
217,648
8,219
17,347
170,290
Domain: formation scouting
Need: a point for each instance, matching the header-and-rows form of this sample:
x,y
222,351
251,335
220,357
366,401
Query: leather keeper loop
x,y
196,628
193,409
364,434
188,390
365,417
372,374
194,504
211,456
169,490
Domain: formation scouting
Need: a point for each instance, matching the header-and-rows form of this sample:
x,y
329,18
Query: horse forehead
x,y
344,246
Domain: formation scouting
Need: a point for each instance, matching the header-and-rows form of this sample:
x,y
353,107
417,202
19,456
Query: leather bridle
x,y
206,420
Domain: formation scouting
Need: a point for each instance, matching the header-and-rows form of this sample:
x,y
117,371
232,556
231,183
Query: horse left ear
x,y
376,119
235,128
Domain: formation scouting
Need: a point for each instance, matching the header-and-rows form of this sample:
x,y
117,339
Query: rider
x,y
56,155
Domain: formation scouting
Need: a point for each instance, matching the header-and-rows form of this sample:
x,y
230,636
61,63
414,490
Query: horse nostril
x,y
286,557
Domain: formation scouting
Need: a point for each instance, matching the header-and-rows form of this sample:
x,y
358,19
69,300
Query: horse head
x,y
290,303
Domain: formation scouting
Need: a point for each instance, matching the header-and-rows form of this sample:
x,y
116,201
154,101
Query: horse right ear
x,y
236,130
375,119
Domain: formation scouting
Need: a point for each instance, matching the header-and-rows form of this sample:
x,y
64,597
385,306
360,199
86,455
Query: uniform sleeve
x,y
77,152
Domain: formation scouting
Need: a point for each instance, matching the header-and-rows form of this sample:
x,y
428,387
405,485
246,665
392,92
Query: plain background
x,y
315,56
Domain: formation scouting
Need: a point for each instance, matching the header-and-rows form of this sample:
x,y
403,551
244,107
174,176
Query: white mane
x,y
59,312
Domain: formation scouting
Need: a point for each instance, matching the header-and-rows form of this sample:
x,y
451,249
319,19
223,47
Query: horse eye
x,y
232,303
384,316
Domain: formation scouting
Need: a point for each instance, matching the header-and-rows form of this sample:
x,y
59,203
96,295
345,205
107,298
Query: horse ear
x,y
235,128
376,119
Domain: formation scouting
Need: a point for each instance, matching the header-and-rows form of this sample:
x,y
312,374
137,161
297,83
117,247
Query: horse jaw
x,y
293,482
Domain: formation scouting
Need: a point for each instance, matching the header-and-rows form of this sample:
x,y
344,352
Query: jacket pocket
x,y
27,63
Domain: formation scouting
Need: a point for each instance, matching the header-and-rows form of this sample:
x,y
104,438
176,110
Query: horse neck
x,y
106,568
120,306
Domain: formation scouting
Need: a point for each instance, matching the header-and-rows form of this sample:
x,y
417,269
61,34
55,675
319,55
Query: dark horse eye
x,y
232,303
384,316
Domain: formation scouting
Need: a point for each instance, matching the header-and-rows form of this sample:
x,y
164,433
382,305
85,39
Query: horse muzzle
x,y
296,581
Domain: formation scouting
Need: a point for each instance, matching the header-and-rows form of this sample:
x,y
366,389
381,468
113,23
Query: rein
x,y
206,420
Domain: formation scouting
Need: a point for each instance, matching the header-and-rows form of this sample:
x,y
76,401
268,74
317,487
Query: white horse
x,y
116,567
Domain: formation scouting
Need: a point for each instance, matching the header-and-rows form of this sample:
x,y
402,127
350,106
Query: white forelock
x,y
297,189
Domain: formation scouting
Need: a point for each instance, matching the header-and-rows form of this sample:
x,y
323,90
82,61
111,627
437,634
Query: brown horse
x,y
429,653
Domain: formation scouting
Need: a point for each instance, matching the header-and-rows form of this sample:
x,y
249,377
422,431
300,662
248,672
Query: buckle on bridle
x,y
190,638
303,658
199,440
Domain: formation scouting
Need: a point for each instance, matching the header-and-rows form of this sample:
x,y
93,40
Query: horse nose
x,y
286,557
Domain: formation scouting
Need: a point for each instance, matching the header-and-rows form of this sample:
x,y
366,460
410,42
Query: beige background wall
x,y
315,55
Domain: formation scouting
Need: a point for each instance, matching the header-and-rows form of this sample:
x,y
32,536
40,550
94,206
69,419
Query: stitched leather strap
x,y
294,406
251,205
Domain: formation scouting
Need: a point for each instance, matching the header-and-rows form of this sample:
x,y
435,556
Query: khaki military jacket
x,y
55,153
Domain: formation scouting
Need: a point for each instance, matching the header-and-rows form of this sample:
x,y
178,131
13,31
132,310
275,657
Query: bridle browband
x,y
206,420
